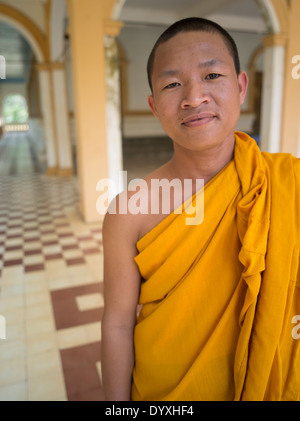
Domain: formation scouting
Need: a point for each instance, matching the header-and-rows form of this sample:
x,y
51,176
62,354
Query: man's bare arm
x,y
121,292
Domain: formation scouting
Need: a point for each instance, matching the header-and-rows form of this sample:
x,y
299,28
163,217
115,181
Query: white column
x,y
272,98
63,135
113,110
46,105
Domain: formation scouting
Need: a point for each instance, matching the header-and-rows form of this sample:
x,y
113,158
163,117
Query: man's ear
x,y
243,85
152,106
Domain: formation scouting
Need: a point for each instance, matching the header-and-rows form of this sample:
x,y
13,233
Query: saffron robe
x,y
219,298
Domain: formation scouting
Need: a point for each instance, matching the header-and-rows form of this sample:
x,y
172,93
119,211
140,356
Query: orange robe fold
x,y
218,298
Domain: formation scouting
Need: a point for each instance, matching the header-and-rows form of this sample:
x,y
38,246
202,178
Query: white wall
x,y
137,42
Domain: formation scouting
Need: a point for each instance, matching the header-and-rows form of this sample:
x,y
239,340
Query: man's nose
x,y
194,95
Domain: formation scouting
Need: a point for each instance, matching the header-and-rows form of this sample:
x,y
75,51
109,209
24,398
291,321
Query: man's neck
x,y
187,164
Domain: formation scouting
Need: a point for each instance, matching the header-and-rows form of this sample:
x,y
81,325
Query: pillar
x,y
271,118
53,94
88,22
62,124
113,105
291,108
48,118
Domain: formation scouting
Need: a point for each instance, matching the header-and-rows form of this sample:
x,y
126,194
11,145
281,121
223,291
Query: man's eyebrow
x,y
170,72
209,63
175,72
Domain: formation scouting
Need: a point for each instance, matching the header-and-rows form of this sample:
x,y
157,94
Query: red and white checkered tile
x,y
51,292
51,274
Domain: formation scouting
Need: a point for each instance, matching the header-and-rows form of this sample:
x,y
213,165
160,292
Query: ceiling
x,y
232,14
235,6
167,11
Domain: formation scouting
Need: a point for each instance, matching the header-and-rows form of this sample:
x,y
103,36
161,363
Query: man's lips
x,y
198,119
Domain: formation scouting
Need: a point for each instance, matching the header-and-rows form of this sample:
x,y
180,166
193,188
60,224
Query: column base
x,y
60,172
65,172
51,171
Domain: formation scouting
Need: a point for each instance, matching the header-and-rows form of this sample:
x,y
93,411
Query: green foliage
x,y
15,109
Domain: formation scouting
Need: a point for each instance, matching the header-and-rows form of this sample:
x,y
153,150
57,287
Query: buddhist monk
x,y
217,300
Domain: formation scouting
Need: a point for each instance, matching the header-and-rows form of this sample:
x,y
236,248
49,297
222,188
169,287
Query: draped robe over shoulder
x,y
218,298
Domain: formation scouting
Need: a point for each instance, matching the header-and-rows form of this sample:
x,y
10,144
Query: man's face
x,y
196,91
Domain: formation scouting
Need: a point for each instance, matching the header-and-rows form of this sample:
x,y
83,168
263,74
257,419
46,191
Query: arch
x,y
28,29
281,9
275,13
116,12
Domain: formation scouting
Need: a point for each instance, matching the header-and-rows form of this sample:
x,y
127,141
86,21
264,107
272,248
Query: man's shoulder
x,y
119,213
128,212
119,229
281,161
131,211
284,169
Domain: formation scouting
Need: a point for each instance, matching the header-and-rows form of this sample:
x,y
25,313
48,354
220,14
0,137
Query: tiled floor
x,y
51,284
51,280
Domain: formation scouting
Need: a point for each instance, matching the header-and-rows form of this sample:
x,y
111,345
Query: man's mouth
x,y
197,120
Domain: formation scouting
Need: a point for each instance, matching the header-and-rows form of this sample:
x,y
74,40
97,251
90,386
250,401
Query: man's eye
x,y
213,76
172,85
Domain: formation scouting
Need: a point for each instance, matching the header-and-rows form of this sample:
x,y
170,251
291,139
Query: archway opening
x,y
15,113
21,125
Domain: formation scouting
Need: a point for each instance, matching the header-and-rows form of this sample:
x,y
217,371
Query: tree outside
x,y
15,109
